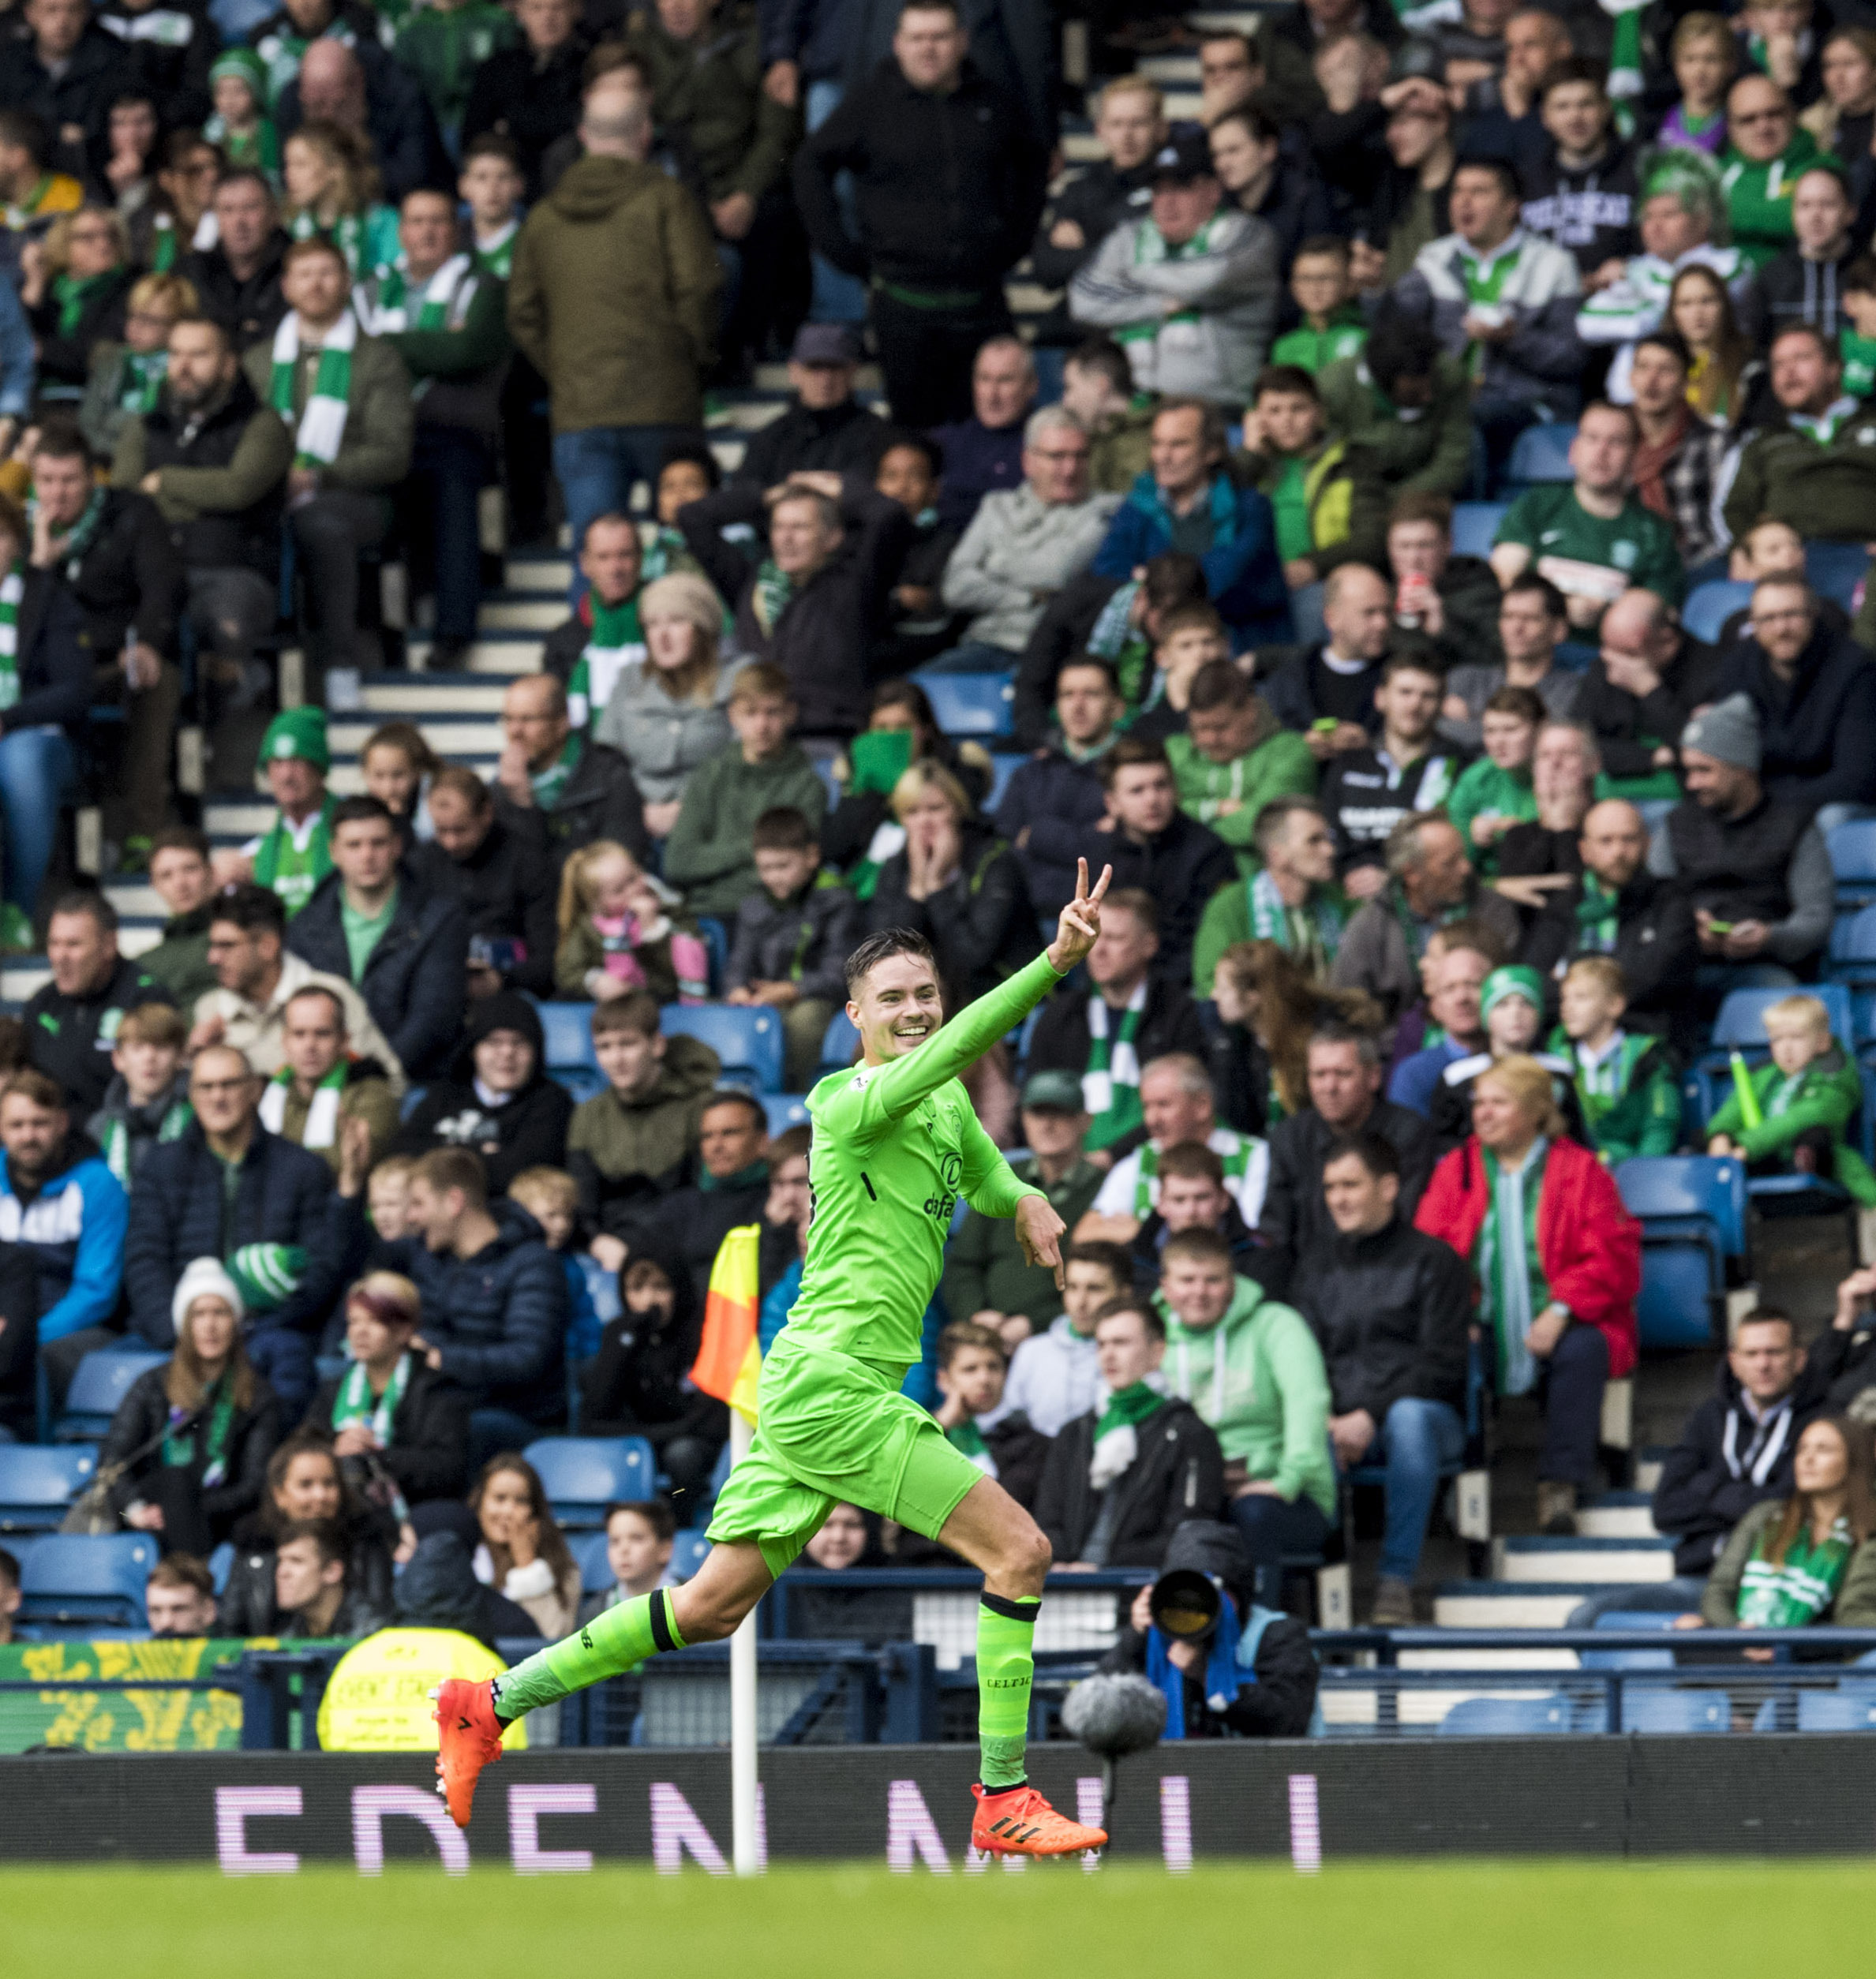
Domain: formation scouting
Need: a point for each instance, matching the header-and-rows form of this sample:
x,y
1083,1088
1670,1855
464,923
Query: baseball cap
x,y
824,343
1186,155
1053,1092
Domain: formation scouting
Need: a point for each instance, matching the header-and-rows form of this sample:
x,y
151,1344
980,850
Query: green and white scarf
x,y
548,783
293,863
13,588
179,1445
1823,427
259,147
1110,1086
661,558
267,1275
1416,932
321,430
141,374
1595,918
1311,932
446,297
966,1439
70,549
1796,1591
71,295
1512,1288
353,1403
1116,639
617,639
322,1116
1236,1158
1151,248
774,591
495,256
1485,279
117,1138
1603,1078
1117,1433
283,53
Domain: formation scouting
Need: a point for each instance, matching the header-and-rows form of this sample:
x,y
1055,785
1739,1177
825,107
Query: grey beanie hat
x,y
1727,731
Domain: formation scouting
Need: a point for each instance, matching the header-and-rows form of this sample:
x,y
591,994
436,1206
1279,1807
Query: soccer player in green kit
x,y
895,1142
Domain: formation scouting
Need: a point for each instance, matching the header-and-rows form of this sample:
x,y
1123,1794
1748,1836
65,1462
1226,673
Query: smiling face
x,y
895,1006
1822,1462
310,1489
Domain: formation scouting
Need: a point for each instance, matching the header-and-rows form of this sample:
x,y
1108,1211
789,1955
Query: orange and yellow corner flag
x,y
729,1361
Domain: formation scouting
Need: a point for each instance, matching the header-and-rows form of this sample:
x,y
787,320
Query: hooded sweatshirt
x,y
1257,1379
524,1129
639,1383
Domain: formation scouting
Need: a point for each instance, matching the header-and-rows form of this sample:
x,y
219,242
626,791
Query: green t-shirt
x,y
1312,350
1585,555
363,932
1289,500
895,1145
1858,354
1485,791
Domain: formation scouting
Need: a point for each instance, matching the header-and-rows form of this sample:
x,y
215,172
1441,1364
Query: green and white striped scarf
x,y
1110,1086
1151,248
13,588
266,1275
353,1403
1796,1591
495,256
617,639
1311,932
966,1439
322,421
1595,918
141,374
774,591
117,1138
1511,1279
322,1116
440,307
548,783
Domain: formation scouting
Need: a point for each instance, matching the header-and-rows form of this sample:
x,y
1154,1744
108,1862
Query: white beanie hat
x,y
203,1277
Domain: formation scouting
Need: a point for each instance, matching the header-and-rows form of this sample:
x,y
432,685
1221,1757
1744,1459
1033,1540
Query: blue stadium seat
x,y
68,1581
840,1046
1712,605
1851,960
38,1481
568,1027
1002,768
103,1379
1682,1298
1741,1023
221,1564
784,1110
1646,1709
687,1554
1692,1211
1849,1708
1505,1717
579,1082
1541,454
1836,569
1852,849
581,1474
746,1037
589,1551
971,704
1474,525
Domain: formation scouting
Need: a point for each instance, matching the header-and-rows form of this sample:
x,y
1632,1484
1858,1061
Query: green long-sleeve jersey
x,y
894,1147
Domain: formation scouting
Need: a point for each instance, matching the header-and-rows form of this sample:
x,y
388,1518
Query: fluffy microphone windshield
x,y
1114,1715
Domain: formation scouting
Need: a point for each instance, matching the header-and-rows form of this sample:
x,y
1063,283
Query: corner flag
x,y
729,1361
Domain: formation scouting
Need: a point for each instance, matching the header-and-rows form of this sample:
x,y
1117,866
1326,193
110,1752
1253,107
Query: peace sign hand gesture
x,y
1080,920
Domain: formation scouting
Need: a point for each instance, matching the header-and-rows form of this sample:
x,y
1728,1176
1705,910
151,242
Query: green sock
x,y
616,1640
1005,1629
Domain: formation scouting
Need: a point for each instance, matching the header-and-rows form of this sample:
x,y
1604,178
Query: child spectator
x,y
552,1197
386,1194
490,185
1055,1376
148,1100
638,1544
1800,1104
398,764
523,1552
1333,325
640,1384
1512,1007
791,941
617,934
1190,638
973,1366
241,128
1857,296
637,1138
1705,58
1625,1083
1495,793
295,853
710,852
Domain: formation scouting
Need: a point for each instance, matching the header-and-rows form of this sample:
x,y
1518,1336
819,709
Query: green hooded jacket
x,y
1278,764
1829,1091
1270,1411
1429,454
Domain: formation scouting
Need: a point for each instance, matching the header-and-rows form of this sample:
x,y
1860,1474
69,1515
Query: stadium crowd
x,y
1431,866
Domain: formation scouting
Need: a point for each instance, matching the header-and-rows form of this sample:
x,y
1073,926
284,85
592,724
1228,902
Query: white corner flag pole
x,y
745,1840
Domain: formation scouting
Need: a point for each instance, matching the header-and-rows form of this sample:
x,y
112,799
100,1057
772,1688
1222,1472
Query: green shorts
x,y
833,1430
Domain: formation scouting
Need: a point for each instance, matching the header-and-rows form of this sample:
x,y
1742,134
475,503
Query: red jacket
x,y
1589,1245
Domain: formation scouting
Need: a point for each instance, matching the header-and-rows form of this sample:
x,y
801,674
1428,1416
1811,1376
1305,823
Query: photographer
x,y
1249,1670
399,1429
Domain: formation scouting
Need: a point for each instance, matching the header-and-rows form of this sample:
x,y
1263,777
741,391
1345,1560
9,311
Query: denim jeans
x,y
1416,1440
448,466
1570,1383
597,467
1272,1527
38,770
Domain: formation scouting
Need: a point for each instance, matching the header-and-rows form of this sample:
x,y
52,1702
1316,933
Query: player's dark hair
x,y
881,948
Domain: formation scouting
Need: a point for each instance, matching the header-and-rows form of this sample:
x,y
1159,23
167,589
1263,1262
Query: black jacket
x,y
1840,1363
141,1417
1058,801
1392,1314
517,95
55,654
1366,798
1277,1699
507,887
415,978
129,576
1655,944
1068,620
95,72
1591,211
1060,1041
1296,206
1182,868
638,1383
66,355
1722,1465
822,640
284,1195
949,188
688,1225
1179,1474
1302,690
845,439
981,927
1818,735
1789,289
1294,1217
428,1451
216,539
175,69
1627,730
248,310
246,1605
62,1032
527,1130
599,800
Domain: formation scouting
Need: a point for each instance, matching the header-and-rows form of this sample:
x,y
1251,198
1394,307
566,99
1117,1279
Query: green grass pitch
x,y
1714,1920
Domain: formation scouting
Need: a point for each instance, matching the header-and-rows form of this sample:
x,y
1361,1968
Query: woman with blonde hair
x,y
665,713
522,1552
332,190
191,1439
127,377
75,288
1556,1262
